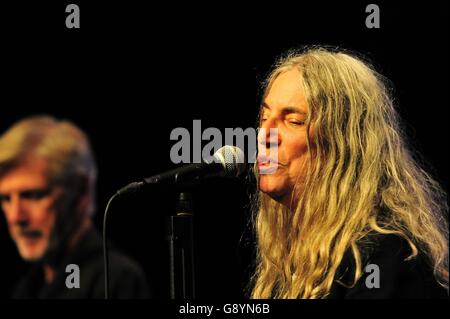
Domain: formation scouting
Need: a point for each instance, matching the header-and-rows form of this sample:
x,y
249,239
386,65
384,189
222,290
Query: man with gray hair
x,y
47,193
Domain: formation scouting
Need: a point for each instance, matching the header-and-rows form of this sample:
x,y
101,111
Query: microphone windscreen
x,y
232,158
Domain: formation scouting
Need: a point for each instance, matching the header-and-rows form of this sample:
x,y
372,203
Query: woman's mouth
x,y
264,159
267,168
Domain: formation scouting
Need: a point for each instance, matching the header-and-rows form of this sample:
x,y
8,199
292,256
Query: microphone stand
x,y
181,249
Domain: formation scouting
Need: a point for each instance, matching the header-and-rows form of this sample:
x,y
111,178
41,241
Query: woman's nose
x,y
268,134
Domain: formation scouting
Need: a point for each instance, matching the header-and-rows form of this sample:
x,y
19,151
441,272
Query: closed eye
x,y
35,194
296,122
4,198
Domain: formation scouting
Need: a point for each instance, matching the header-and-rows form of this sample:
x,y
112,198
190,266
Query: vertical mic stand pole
x,y
181,249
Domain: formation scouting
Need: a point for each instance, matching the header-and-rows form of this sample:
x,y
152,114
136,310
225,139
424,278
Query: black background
x,y
134,72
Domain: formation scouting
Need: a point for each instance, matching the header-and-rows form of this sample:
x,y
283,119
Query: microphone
x,y
228,161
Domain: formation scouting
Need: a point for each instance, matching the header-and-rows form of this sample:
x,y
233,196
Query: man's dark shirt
x,y
127,280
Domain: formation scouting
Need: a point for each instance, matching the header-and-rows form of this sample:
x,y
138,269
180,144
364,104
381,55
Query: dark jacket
x,y
398,278
127,280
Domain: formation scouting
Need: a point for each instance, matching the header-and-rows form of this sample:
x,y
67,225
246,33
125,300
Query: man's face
x,y
285,109
28,203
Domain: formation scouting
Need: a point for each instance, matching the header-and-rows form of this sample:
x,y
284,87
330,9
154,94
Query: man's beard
x,y
67,221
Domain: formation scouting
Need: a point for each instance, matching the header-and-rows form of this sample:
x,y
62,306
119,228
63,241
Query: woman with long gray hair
x,y
345,208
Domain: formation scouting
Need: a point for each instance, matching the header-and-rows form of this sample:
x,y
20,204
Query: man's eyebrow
x,y
287,109
27,191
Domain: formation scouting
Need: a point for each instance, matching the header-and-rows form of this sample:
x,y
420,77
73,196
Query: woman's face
x,y
282,158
